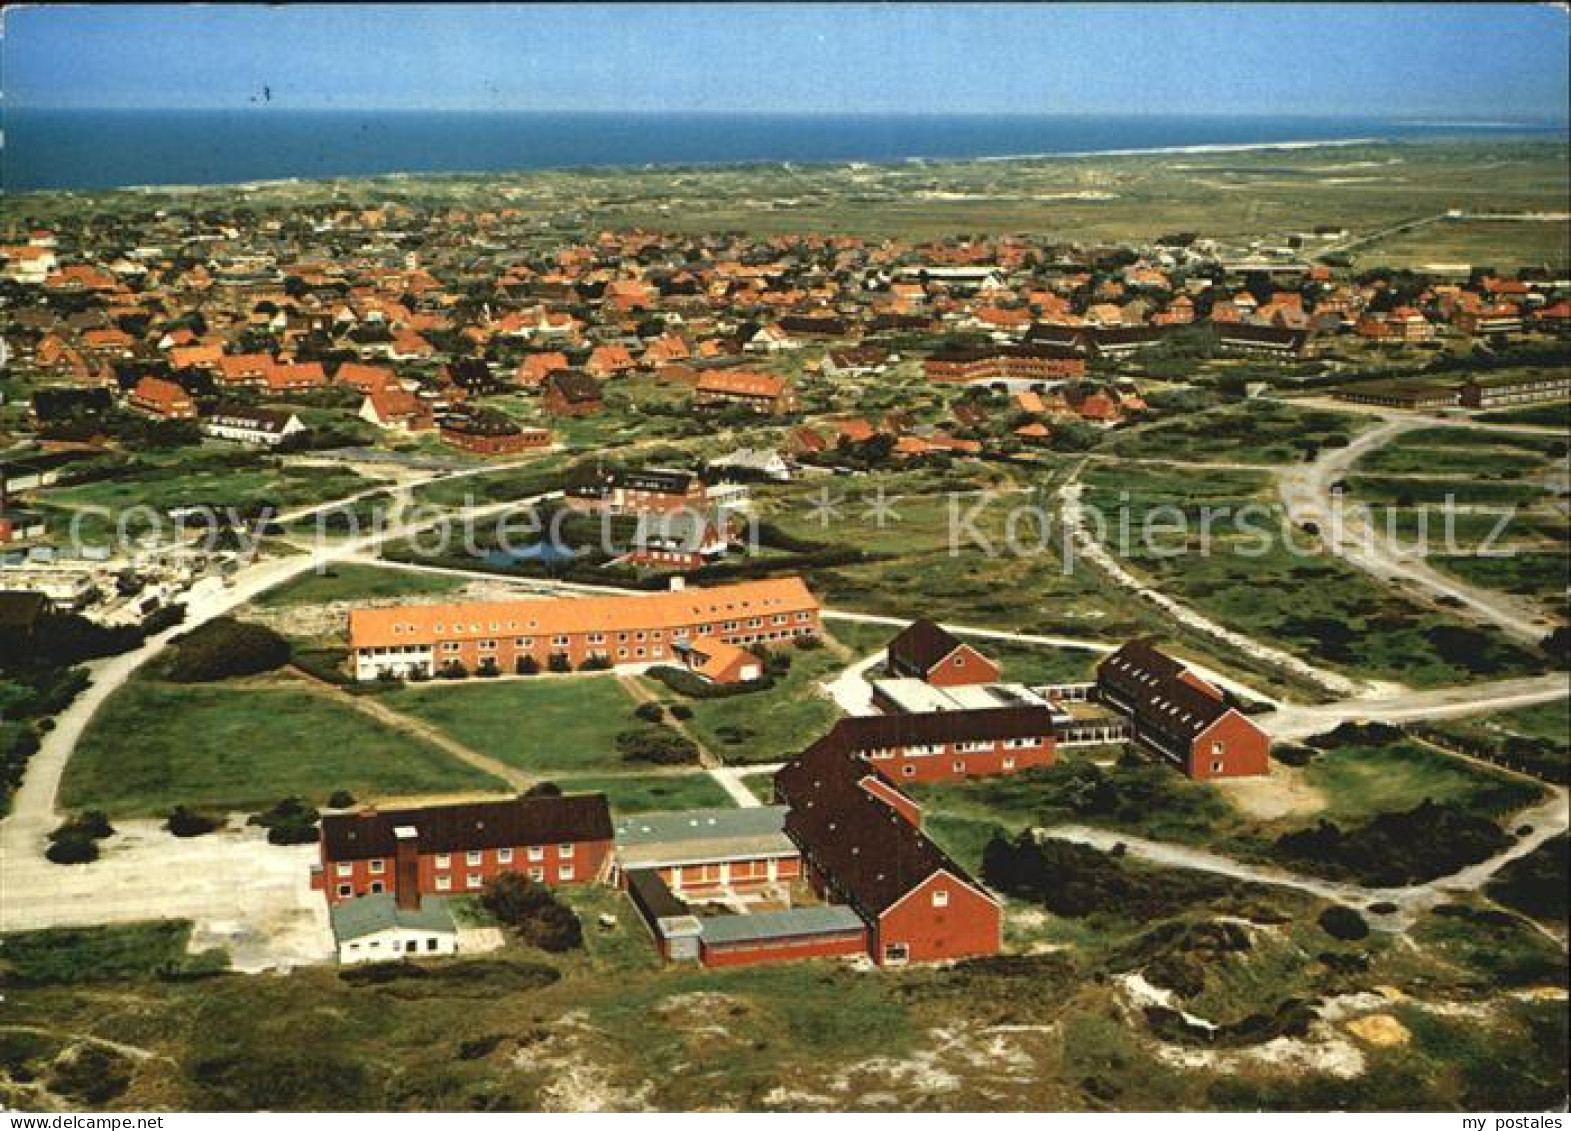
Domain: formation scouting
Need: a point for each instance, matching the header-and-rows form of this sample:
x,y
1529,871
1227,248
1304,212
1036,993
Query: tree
x,y
224,648
290,821
534,913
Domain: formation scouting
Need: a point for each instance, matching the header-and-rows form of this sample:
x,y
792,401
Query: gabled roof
x,y
476,825
373,914
871,853
922,645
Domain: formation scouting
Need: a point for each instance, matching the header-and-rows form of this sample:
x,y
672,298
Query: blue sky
x,y
1464,62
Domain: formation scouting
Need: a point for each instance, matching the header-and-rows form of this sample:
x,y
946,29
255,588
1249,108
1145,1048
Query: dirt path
x,y
1306,493
369,706
1086,543
1546,820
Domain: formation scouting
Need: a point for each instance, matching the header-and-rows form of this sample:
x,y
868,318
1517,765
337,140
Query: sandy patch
x,y
1380,1029
1281,793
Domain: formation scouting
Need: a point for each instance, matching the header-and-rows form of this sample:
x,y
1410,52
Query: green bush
x,y
684,682
527,665
533,911
185,822
650,712
223,649
1343,923
290,821
658,745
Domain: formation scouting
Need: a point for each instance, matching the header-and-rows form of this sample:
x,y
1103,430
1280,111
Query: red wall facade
x,y
990,758
584,864
971,924
962,668
1244,750
785,950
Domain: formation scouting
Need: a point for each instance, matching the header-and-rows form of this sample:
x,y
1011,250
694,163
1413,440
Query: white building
x,y
257,426
374,928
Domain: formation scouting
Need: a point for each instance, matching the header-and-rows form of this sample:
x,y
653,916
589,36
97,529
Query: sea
x,y
100,149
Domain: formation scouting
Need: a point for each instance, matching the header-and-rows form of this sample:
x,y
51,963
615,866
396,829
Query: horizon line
x,y
1437,118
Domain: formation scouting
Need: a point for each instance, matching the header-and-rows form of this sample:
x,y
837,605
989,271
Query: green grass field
x,y
212,746
351,581
1362,782
547,725
642,793
1543,577
219,479
771,725
1298,598
1259,431
1556,414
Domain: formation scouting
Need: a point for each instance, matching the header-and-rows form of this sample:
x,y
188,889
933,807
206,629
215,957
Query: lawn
x,y
214,478
351,581
123,952
1554,415
771,725
642,793
157,745
545,725
1260,431
1389,490
1361,782
1542,577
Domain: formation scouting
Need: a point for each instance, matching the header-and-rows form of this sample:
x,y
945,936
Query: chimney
x,y
406,867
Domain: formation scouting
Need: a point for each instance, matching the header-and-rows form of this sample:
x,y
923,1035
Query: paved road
x,y
1306,492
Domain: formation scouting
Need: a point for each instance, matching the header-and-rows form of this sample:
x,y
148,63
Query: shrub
x,y
534,912
559,662
659,745
544,789
650,712
340,799
225,648
71,848
185,822
453,669
681,711
1343,923
290,821
596,664
488,668
684,682
527,665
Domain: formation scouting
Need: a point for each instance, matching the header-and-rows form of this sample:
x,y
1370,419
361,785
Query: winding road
x,y
1306,491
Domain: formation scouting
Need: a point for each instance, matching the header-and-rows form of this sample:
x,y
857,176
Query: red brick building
x,y
1004,363
630,629
925,651
949,745
454,849
862,851
1180,716
492,435
571,393
760,392
163,398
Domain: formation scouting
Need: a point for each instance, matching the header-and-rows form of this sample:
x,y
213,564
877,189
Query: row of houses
x,y
423,640
1484,391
